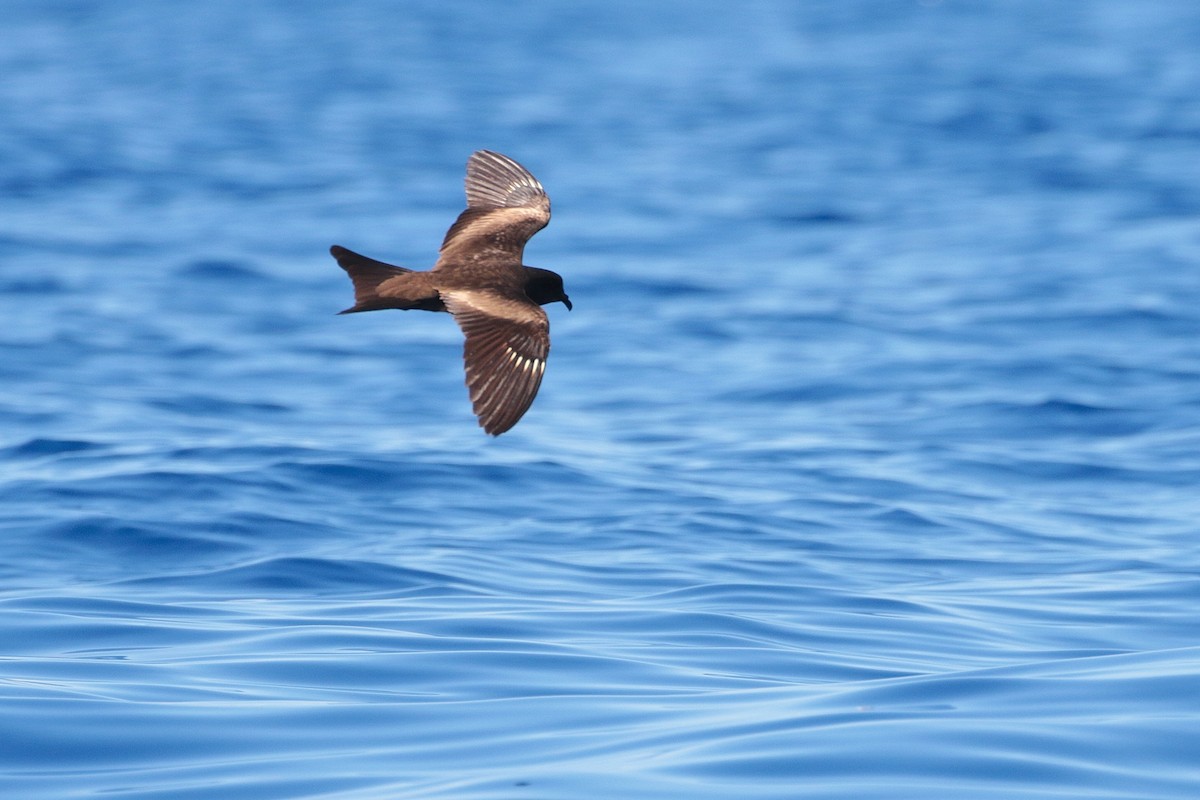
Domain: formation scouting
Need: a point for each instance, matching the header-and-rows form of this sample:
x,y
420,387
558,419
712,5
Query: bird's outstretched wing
x,y
506,205
508,340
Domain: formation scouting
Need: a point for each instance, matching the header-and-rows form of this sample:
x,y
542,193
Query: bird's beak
x,y
566,301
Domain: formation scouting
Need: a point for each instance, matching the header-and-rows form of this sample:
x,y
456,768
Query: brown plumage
x,y
480,280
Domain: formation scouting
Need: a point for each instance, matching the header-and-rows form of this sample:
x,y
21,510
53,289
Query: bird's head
x,y
543,286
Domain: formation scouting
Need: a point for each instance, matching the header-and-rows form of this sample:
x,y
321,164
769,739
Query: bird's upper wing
x,y
505,207
508,340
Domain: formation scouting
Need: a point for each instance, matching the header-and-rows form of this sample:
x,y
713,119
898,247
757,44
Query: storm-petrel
x,y
480,280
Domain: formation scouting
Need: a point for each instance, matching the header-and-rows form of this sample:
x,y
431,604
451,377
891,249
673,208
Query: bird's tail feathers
x,y
367,274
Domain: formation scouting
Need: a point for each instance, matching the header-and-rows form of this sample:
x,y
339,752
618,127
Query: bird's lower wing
x,y
507,343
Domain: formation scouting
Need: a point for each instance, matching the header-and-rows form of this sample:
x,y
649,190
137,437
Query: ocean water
x,y
865,467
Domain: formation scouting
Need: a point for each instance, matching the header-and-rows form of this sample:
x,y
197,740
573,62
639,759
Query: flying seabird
x,y
480,280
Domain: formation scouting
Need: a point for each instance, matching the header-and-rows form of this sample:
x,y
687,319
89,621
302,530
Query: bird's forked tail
x,y
367,274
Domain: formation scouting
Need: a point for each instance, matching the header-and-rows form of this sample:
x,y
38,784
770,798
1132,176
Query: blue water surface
x,y
865,467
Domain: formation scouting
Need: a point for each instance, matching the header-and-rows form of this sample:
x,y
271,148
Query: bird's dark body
x,y
388,286
479,278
